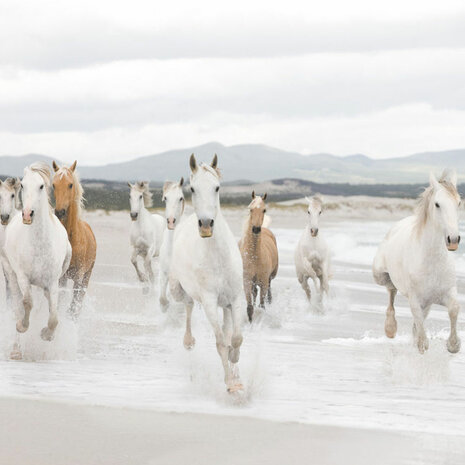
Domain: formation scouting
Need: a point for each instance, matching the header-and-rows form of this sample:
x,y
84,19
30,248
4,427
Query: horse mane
x,y
424,200
143,188
77,187
43,170
168,185
209,169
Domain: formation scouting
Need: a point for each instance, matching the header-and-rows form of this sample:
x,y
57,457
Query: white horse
x,y
207,267
414,259
312,258
9,206
37,247
146,234
173,197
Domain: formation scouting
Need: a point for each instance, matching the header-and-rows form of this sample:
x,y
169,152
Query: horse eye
x,y
181,199
319,213
163,199
192,189
437,205
41,187
264,211
70,186
217,188
140,197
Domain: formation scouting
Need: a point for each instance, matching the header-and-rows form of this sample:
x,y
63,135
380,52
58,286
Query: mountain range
x,y
254,162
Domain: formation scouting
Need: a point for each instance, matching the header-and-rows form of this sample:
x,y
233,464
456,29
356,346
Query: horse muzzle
x,y
171,223
134,216
256,229
453,243
28,215
206,228
5,219
314,232
60,214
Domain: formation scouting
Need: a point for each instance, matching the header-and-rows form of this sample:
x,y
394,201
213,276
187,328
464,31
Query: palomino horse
x,y
173,197
37,247
259,255
146,232
68,208
311,256
414,259
206,266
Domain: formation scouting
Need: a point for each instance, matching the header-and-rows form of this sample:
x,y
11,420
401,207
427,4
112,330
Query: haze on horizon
x,y
110,81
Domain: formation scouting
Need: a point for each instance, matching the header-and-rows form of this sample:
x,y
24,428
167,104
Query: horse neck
x,y
144,216
432,240
72,220
43,221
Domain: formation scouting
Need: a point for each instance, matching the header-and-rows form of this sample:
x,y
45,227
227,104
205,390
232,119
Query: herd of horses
x,y
200,259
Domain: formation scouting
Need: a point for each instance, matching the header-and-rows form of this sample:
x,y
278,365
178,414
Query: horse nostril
x,y
32,213
448,239
458,240
200,223
211,223
174,220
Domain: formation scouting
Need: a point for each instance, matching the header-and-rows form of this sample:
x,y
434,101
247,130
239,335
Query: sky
x,y
108,81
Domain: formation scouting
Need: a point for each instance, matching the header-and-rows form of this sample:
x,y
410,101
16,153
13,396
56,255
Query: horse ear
x,y
433,181
55,166
73,166
253,194
193,163
130,185
214,163
181,182
450,176
265,196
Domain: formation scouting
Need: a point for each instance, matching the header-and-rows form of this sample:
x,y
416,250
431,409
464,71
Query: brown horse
x,y
259,255
68,207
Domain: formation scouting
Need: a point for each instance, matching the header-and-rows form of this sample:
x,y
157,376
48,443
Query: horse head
x,y
205,186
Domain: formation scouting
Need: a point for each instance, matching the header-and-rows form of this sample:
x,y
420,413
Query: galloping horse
x,y
206,267
9,206
311,256
173,197
414,259
259,255
146,234
37,248
68,208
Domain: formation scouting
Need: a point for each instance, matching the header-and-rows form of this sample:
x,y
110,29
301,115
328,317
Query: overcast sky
x,y
104,80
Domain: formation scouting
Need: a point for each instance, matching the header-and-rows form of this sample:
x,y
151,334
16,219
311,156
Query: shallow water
x,y
298,362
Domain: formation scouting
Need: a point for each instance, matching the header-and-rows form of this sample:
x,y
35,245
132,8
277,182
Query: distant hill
x,y
259,163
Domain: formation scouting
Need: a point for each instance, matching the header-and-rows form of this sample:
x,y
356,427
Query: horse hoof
x,y
46,334
453,346
390,328
16,354
189,342
423,345
238,387
21,327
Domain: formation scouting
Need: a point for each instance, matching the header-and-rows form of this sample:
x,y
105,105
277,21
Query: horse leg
x,y
303,280
140,275
453,343
250,294
390,325
269,297
148,266
210,305
164,302
418,323
25,286
79,291
12,300
180,295
51,295
236,310
227,325
264,286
